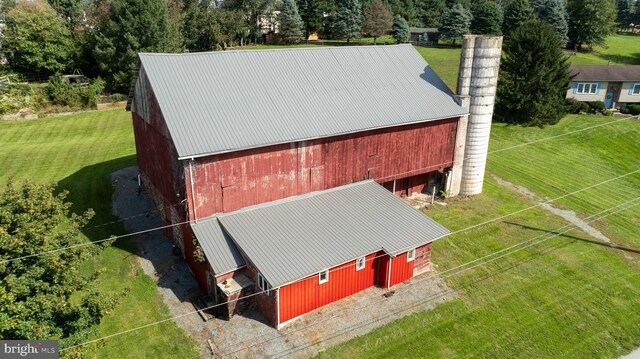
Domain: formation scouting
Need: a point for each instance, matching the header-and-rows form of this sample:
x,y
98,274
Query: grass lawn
x,y
620,49
566,297
79,152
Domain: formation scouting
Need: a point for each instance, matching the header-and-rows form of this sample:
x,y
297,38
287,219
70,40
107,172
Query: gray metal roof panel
x,y
291,239
222,254
224,101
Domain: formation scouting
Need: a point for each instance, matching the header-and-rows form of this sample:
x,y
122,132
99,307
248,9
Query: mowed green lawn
x,y
620,50
564,297
79,152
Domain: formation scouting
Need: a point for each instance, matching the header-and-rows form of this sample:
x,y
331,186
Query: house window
x,y
263,284
360,263
411,255
635,89
323,277
586,88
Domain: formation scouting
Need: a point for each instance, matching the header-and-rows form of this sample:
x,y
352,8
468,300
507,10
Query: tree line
x,y
102,37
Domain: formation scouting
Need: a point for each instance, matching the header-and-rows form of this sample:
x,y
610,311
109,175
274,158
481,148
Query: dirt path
x,y
566,214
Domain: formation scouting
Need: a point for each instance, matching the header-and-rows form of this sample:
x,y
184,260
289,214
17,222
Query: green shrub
x,y
624,110
573,106
583,107
597,106
634,110
607,113
76,97
117,97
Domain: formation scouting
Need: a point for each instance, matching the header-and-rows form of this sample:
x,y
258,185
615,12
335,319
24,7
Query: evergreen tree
x,y
291,24
534,76
348,22
455,23
516,12
401,29
555,14
312,13
133,26
69,9
377,20
487,18
590,21
430,12
35,38
404,8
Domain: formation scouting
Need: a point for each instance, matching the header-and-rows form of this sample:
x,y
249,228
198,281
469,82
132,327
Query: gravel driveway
x,y
247,335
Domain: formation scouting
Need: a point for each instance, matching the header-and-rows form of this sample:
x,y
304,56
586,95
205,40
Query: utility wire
x,y
216,305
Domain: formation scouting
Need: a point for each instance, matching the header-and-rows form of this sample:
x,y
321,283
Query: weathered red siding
x,y
423,259
198,269
307,294
401,270
227,182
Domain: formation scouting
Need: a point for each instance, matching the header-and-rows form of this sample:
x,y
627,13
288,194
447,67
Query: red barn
x,y
277,160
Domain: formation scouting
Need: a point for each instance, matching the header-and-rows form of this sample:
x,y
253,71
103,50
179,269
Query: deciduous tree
x,y
45,296
313,13
348,21
36,38
455,23
591,21
516,13
291,24
534,75
430,12
401,29
487,18
377,20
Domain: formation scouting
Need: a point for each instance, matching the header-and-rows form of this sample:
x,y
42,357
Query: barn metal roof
x,y
221,252
605,72
223,101
294,238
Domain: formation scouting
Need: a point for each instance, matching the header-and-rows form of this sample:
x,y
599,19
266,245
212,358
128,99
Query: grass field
x,y
620,49
79,152
565,297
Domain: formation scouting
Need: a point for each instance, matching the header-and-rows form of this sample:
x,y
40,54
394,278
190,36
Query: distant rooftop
x,y
217,102
609,73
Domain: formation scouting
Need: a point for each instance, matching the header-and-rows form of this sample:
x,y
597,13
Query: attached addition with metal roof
x,y
293,238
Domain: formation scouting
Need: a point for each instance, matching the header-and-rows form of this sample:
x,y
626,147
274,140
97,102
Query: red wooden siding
x,y
401,270
307,294
197,268
227,182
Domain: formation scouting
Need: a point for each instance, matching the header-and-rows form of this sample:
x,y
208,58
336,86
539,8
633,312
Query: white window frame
x,y
635,90
587,88
326,279
360,263
411,254
263,284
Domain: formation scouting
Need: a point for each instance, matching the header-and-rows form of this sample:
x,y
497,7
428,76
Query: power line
x,y
556,233
207,308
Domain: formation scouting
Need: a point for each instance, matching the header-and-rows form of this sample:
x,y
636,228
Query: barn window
x,y
323,277
263,284
411,255
360,263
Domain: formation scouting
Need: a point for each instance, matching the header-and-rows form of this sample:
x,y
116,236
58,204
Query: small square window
x,y
323,277
411,255
360,263
636,89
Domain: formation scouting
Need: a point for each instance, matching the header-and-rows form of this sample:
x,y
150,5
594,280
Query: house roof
x,y
216,102
422,30
294,238
221,252
605,72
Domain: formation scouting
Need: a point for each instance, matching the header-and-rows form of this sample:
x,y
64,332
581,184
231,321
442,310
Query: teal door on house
x,y
608,100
